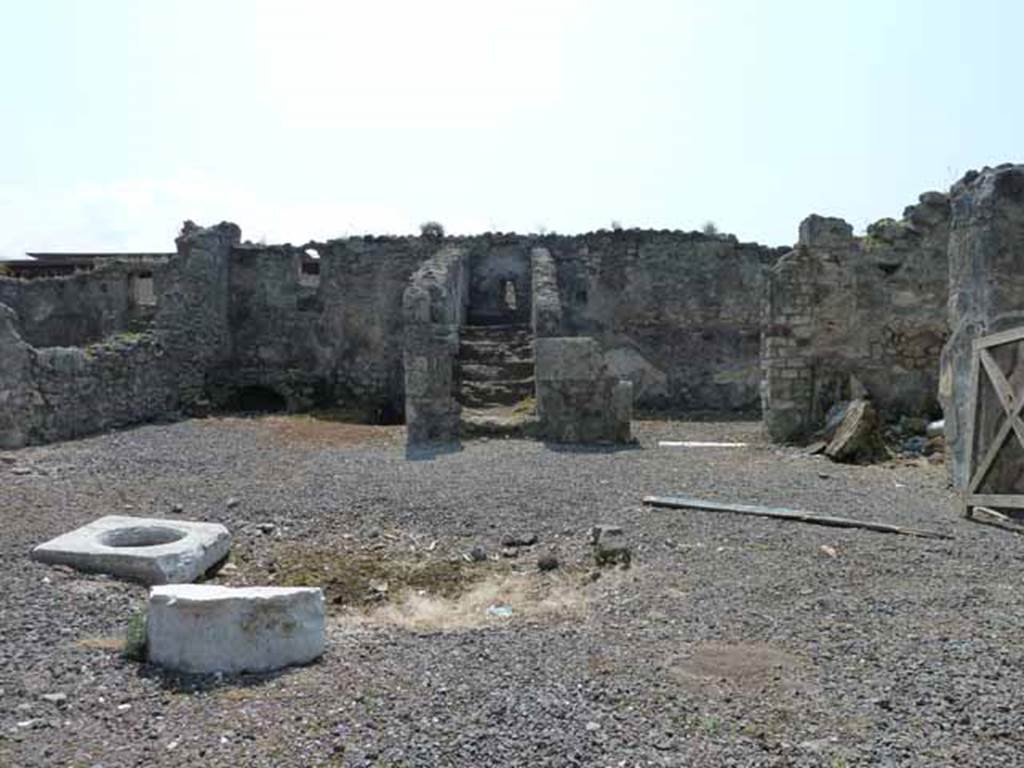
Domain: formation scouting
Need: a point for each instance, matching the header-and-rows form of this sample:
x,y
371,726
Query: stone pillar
x,y
986,287
577,400
547,305
433,307
816,272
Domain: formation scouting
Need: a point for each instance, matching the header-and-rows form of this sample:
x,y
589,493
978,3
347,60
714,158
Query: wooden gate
x,y
995,432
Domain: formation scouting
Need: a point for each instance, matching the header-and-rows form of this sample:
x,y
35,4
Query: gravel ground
x,y
733,641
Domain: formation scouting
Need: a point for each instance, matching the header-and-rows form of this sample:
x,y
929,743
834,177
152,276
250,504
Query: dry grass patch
x,y
354,579
113,644
522,596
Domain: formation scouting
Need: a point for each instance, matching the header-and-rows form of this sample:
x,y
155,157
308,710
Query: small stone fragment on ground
x,y
610,546
232,502
519,540
547,561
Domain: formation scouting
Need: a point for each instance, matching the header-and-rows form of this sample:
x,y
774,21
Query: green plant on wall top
x,y
432,229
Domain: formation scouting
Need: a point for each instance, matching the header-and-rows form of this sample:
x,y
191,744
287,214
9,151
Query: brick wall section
x,y
846,316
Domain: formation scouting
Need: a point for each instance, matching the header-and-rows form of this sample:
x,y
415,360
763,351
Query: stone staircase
x,y
495,366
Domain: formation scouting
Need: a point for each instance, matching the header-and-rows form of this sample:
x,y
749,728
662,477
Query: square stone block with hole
x,y
149,550
199,628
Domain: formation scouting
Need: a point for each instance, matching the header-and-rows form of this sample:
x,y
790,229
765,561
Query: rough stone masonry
x,y
693,322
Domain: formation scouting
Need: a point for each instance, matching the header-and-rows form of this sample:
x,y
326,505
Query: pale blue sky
x,y
308,120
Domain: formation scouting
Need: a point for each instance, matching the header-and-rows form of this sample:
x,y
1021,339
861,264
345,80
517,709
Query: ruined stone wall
x,y
333,339
192,320
76,309
986,287
434,307
59,393
362,281
18,399
62,392
676,313
846,316
500,270
275,315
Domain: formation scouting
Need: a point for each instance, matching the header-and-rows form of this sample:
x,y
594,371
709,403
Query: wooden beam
x,y
997,339
1008,500
782,513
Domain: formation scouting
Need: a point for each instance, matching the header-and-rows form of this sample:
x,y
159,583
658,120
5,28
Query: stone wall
x,y
499,281
275,316
59,393
847,316
676,313
434,307
362,281
986,286
192,319
77,309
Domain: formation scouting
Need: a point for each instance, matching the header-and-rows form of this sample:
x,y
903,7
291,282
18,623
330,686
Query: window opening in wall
x,y
143,293
309,269
510,294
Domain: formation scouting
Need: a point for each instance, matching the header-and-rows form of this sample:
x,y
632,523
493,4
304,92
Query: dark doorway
x,y
256,399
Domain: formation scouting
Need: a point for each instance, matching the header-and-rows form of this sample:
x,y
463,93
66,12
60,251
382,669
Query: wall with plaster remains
x,y
676,313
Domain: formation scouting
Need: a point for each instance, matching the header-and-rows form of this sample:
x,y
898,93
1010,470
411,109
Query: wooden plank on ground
x,y
782,513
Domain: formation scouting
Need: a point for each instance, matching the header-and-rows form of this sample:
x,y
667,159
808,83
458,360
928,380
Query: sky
x,y
306,120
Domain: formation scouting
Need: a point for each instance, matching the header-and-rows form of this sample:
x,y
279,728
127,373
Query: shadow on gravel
x,y
586,448
695,416
178,682
431,452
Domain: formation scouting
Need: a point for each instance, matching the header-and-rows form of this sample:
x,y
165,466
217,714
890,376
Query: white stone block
x,y
149,550
201,629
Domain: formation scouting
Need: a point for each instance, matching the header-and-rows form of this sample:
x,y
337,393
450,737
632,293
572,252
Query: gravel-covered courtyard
x,y
731,641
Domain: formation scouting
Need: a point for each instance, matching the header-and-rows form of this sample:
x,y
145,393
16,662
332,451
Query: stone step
x,y
495,371
491,393
495,331
495,352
